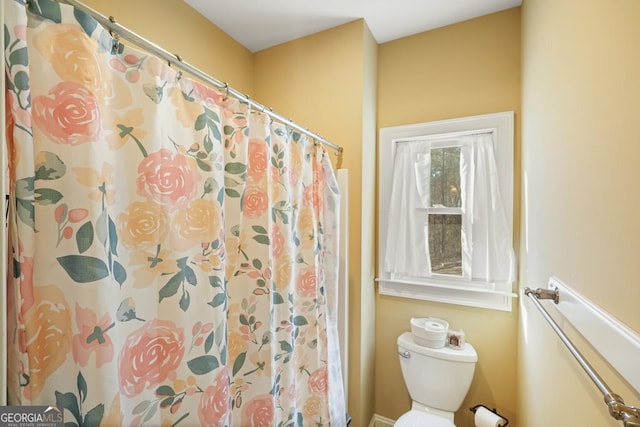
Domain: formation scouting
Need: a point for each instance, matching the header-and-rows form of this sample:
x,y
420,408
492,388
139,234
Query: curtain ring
x,y
226,88
116,42
179,75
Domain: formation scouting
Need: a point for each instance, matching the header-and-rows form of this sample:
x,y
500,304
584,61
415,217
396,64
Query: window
x,y
445,214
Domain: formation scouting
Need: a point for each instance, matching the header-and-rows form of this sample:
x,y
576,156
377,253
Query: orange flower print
x,y
74,56
312,407
92,337
100,182
149,355
167,179
283,272
258,412
126,127
319,381
215,401
236,345
307,284
151,266
187,108
69,115
48,330
256,202
295,168
257,164
306,228
199,222
142,225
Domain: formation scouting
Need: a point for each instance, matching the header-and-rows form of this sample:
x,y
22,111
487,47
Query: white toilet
x,y
438,380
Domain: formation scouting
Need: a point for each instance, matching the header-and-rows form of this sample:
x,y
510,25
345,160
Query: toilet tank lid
x,y
467,354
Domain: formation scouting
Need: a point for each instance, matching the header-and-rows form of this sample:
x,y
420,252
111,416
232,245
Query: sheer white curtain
x,y
487,253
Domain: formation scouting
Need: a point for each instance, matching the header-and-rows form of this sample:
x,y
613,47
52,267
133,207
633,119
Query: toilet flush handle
x,y
405,354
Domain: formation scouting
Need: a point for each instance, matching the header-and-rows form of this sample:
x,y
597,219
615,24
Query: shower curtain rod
x,y
175,60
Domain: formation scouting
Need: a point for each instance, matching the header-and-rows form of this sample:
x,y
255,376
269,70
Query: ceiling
x,y
259,24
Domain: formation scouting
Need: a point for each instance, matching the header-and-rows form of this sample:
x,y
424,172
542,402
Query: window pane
x,y
445,244
445,177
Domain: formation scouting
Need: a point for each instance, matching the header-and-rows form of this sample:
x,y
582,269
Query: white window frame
x,y
451,290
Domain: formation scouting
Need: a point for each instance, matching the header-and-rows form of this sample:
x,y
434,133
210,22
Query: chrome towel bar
x,y
629,415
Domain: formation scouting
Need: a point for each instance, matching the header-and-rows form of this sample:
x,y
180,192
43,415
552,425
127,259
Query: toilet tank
x,y
436,377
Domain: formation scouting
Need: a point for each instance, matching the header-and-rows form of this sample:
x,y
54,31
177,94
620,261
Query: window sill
x,y
449,294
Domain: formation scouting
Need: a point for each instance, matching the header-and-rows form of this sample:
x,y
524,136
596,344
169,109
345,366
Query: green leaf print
x,y
300,321
47,196
218,300
165,390
94,416
185,301
235,168
69,402
113,237
84,237
277,298
6,37
237,365
262,239
84,269
82,387
87,22
19,57
119,273
21,80
203,364
47,9
231,192
208,344
259,229
201,122
172,286
26,212
52,167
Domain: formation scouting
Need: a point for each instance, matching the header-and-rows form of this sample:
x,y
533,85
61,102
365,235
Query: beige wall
x,y
326,81
464,69
177,28
580,102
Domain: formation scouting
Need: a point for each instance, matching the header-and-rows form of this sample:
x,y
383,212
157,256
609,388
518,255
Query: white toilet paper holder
x,y
475,408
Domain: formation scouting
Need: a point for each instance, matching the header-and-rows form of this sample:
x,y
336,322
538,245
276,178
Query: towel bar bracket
x,y
629,415
545,294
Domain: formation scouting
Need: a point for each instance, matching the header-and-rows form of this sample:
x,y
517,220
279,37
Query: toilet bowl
x,y
417,418
437,379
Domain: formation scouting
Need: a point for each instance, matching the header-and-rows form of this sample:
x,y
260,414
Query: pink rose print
x,y
69,115
257,164
150,354
216,401
278,241
307,284
255,202
167,179
319,381
258,412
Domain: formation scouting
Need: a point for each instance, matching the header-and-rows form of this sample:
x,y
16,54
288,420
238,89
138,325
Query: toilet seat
x,y
416,418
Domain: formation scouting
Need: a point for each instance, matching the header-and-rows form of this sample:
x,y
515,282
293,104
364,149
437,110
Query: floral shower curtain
x,y
173,254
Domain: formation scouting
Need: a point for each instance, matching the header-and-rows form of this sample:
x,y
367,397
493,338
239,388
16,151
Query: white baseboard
x,y
380,421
